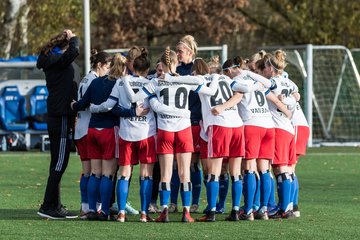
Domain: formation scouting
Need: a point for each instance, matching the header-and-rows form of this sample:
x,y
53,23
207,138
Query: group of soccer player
x,y
201,122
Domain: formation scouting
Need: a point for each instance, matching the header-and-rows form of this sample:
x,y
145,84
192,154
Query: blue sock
x,y
149,192
106,187
223,190
272,200
83,188
212,191
296,194
196,179
249,190
93,191
257,193
236,191
143,194
185,192
175,185
122,190
284,189
292,191
265,188
164,192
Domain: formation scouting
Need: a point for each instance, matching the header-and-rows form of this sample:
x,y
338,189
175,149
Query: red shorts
x,y
195,130
101,143
259,142
174,142
81,146
302,134
225,142
133,152
284,148
203,149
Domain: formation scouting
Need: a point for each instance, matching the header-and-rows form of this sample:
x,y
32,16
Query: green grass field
x,y
329,203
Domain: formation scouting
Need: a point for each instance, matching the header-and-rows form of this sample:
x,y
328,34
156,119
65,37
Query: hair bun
x,y
93,52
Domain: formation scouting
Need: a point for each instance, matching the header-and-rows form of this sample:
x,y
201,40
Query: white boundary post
x,y
87,36
309,91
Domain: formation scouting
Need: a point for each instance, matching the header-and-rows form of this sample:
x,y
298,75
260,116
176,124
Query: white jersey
x,y
83,117
298,117
173,95
281,85
134,129
254,109
228,118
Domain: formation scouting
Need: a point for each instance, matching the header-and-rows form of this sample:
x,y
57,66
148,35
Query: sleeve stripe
x,y
267,92
113,98
147,92
198,88
152,96
232,84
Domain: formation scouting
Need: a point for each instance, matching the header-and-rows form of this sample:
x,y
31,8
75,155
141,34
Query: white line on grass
x,y
332,154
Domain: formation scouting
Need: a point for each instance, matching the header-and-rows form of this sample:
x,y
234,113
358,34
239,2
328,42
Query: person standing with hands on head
x,y
56,60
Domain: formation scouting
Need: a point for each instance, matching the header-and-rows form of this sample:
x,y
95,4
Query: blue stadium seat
x,y
38,106
12,109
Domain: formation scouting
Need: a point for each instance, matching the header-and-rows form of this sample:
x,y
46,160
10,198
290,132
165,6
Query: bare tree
x,y
13,8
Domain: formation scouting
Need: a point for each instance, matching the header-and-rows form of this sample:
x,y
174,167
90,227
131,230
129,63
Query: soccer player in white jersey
x,y
100,64
224,130
224,134
137,137
174,133
302,132
284,133
259,135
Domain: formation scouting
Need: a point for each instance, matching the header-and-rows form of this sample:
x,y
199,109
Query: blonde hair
x,y
189,42
117,66
277,61
168,58
214,64
257,56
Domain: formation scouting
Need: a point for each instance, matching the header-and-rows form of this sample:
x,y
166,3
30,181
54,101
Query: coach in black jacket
x,y
56,60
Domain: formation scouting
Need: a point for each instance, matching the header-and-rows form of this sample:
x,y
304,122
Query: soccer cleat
x,y
208,217
92,216
70,215
143,218
164,216
261,215
121,217
130,210
82,215
173,208
102,216
282,214
246,217
186,216
234,216
273,210
206,210
153,208
194,208
50,214
296,211
220,210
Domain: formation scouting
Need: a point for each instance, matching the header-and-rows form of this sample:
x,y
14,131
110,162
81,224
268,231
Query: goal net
x,y
329,82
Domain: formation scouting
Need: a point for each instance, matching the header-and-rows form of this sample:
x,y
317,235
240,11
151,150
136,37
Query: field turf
x,y
329,203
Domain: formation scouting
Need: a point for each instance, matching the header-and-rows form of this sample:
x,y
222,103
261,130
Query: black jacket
x,y
60,75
